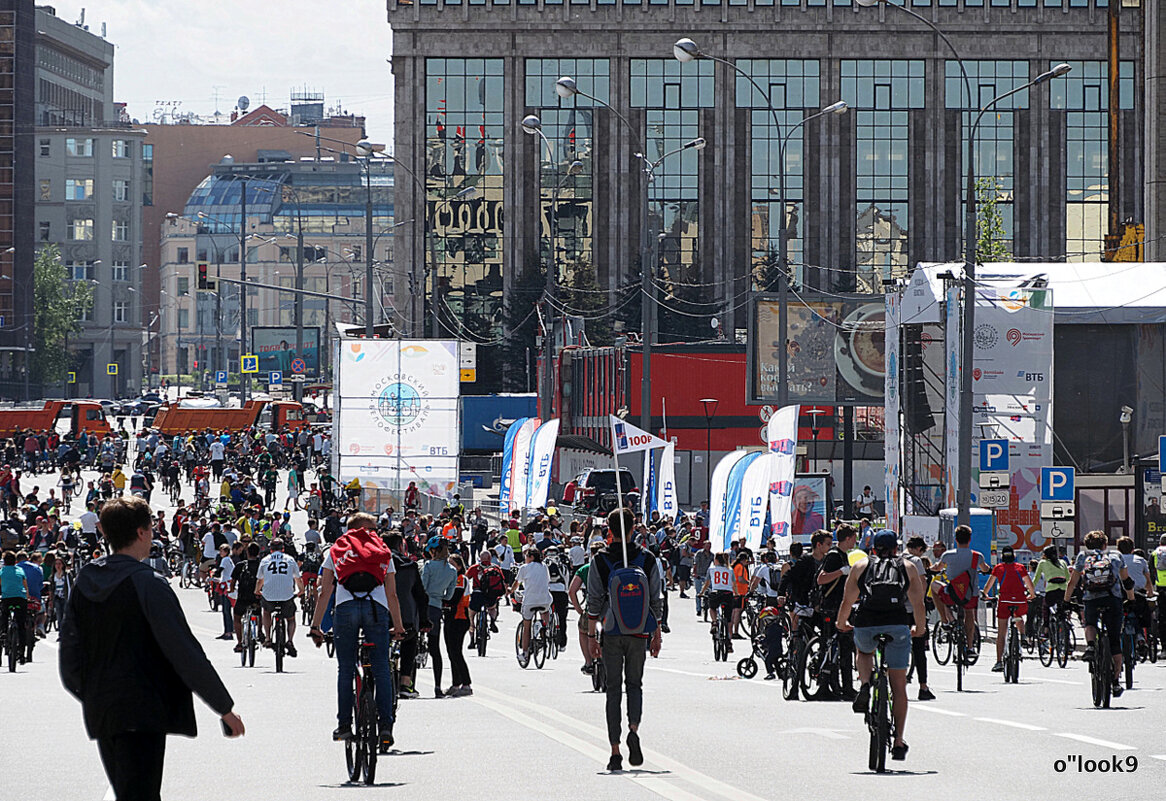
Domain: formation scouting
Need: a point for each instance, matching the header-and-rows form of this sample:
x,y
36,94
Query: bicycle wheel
x,y
1105,668
974,654
280,643
960,655
253,646
880,727
1153,645
245,641
789,680
354,747
539,647
941,644
1045,646
522,663
1129,657
747,620
1062,643
747,667
370,736
810,669
13,638
1012,669
483,632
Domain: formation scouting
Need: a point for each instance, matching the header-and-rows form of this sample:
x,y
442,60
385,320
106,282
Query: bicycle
x,y
278,636
1012,654
539,645
11,643
360,750
722,639
1055,639
878,716
598,672
799,636
1129,643
309,610
951,638
482,631
553,632
819,666
250,636
1101,667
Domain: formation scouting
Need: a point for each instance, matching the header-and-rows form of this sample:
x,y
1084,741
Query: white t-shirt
x,y
343,595
208,546
89,522
720,579
278,572
217,451
577,555
505,556
865,504
1137,567
535,581
228,566
762,573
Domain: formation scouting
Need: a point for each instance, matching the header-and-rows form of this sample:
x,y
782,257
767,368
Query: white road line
x,y
1013,724
1158,756
720,788
1081,738
950,672
109,795
937,710
690,673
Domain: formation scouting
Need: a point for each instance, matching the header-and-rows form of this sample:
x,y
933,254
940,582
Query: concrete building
x,y
327,198
869,193
89,184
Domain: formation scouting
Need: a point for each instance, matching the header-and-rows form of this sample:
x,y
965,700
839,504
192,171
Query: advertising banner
x,y
733,499
809,507
892,452
506,480
782,434
666,484
276,348
542,455
951,410
755,498
520,487
396,414
717,490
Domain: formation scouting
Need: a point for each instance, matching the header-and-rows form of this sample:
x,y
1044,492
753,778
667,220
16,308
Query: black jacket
x,y
128,654
410,594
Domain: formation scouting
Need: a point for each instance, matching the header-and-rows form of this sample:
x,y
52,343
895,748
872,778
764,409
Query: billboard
x,y
835,348
396,414
276,348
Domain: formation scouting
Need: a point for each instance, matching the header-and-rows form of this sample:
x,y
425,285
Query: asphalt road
x,y
540,733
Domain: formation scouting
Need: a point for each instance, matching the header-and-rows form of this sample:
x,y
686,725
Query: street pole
x,y
244,378
368,305
298,386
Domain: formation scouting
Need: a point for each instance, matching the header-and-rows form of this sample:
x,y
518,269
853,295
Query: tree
x,y
991,238
59,304
581,294
520,326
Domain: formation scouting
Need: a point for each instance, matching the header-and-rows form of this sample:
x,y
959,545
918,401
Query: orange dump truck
x,y
67,417
272,416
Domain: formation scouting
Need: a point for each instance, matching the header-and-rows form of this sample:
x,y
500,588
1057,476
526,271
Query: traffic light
x,y
202,280
196,364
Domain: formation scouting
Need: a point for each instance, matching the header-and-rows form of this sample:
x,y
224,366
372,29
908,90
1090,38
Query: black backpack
x,y
883,586
246,575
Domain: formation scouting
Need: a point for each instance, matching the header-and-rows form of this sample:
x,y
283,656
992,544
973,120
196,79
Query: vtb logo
x,y
785,447
782,488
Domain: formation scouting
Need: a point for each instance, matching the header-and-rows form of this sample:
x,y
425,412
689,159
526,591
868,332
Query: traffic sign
x,y
72,378
1058,529
765,413
1162,453
111,369
469,375
1056,483
298,366
468,356
275,378
299,378
994,456
220,378
249,364
994,498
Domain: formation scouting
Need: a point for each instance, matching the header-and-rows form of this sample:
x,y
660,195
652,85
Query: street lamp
x,y
814,413
686,50
1126,417
710,409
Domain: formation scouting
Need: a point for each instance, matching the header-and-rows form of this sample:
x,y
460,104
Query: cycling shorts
x,y
287,608
480,599
944,597
1007,609
530,610
1109,607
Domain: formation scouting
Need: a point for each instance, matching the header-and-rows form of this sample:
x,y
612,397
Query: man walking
x,y
128,655
621,580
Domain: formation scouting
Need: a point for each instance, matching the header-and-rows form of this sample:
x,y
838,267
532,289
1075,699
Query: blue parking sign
x,y
276,378
1057,483
220,376
1162,454
994,456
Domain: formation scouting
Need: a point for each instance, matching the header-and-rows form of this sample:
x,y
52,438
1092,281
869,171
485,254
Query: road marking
x,y
1013,724
720,788
938,711
829,734
1095,741
1158,756
110,795
689,673
967,676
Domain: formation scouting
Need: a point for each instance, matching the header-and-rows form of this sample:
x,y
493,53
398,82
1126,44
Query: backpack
x,y
493,582
1098,572
555,571
220,539
883,587
774,573
245,575
361,560
627,595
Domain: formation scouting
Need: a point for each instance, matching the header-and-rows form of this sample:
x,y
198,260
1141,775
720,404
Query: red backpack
x,y
361,560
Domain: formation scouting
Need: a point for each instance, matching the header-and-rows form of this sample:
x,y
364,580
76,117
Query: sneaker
x,y
682,595
926,694
410,692
1117,689
343,732
493,628
899,752
226,636
437,693
588,669
998,667
770,676
1089,651
291,650
386,740
664,628
615,764
861,700
635,755
452,692
465,690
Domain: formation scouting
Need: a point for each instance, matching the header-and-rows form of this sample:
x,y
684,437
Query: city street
x,y
707,734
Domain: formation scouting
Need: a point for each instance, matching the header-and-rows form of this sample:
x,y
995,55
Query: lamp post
x,y
533,125
708,437
1126,416
686,50
968,316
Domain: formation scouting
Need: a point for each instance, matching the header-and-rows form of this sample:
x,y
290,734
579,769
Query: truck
x,y
270,415
66,417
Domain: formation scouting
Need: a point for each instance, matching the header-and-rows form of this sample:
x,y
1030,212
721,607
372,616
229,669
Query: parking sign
x,y
221,378
275,378
1162,453
994,456
1057,483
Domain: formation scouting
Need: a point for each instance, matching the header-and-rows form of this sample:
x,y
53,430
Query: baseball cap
x,y
885,540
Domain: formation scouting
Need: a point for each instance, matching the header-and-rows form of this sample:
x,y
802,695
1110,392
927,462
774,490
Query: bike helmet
x,y
768,614
434,542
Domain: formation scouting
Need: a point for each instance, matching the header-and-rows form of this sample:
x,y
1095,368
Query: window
x,y
46,148
121,190
46,189
46,231
121,271
121,311
183,255
252,316
79,270
120,231
184,318
183,286
78,188
121,149
82,148
147,175
81,229
85,315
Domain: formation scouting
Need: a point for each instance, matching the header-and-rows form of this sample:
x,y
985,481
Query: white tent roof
x,y
1094,292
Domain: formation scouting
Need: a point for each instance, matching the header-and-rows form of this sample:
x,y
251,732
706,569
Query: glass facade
x,y
881,94
793,88
672,95
1084,96
464,131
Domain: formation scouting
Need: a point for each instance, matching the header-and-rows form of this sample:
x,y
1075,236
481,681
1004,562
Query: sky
x,y
178,51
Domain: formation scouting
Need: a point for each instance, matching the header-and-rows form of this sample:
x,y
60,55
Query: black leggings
x,y
455,635
409,656
559,602
919,652
435,644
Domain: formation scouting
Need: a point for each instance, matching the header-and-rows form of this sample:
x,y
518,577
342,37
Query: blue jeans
x,y
698,583
350,618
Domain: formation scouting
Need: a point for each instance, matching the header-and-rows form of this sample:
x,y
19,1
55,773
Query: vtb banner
x,y
783,446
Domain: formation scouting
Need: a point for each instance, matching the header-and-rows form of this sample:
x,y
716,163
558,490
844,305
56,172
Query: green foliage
x,y
580,293
519,327
991,238
58,306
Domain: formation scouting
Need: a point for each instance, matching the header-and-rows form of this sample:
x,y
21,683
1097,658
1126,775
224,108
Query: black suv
x,y
595,490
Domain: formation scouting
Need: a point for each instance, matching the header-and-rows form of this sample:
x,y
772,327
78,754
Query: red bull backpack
x,y
628,591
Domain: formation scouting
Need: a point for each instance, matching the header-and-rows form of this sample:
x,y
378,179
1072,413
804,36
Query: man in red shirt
x,y
1015,592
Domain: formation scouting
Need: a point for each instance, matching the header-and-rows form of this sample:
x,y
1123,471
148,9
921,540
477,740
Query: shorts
x,y
206,564
944,597
898,650
683,572
1111,608
480,599
287,608
582,623
720,599
530,610
242,604
1007,609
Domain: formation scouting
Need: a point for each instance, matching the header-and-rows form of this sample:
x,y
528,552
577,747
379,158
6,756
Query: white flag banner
x,y
521,458
626,438
666,484
755,498
783,445
542,455
717,488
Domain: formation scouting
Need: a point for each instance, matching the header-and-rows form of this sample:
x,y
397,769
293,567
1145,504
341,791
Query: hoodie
x,y
129,656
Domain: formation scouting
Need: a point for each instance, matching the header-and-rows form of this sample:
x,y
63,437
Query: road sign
x,y
1162,453
765,413
298,366
468,356
994,498
220,378
469,375
298,378
111,369
275,378
72,378
1058,510
991,481
1056,483
1058,529
249,364
994,456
